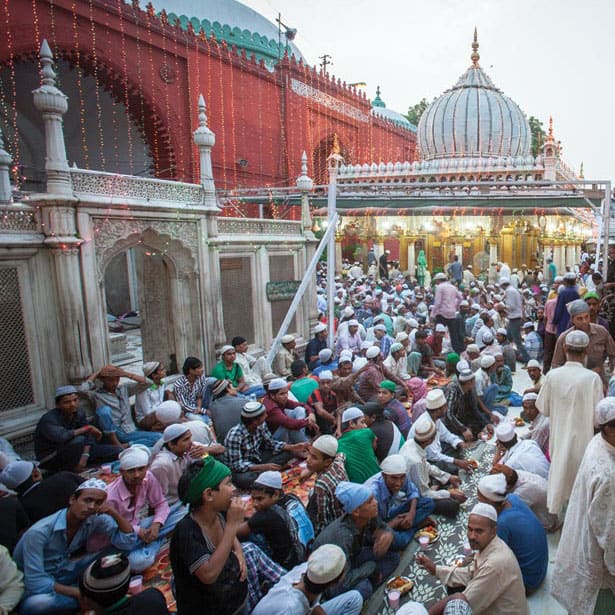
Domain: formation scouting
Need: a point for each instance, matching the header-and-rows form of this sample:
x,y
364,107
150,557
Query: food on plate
x,y
519,422
430,531
473,463
401,584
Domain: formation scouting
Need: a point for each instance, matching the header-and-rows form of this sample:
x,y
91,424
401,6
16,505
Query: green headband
x,y
211,475
387,384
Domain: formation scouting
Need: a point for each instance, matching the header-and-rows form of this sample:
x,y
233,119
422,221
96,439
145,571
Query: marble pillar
x,y
5,182
411,258
493,261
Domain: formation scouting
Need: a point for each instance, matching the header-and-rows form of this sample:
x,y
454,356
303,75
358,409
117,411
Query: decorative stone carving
x,y
129,187
231,226
307,91
17,220
176,239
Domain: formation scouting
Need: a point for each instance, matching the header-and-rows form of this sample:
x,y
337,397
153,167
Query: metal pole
x,y
331,218
606,222
307,278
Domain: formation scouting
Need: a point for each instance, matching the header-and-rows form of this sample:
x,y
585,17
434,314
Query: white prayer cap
x,y
92,483
440,328
359,363
412,608
464,303
270,479
380,327
577,339
347,312
465,375
435,399
475,306
350,414
365,344
325,375
174,431
530,397
16,473
504,281
326,444
533,363
252,409
135,456
378,318
372,352
226,348
413,322
488,337
424,428
486,361
528,325
493,487
277,384
440,276
150,367
557,279
325,354
288,338
168,412
605,411
353,323
485,510
320,327
570,275
394,464
396,347
505,432
325,564
345,355
402,336
461,365
472,348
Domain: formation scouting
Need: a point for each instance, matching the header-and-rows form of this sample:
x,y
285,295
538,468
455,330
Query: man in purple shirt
x,y
132,495
444,308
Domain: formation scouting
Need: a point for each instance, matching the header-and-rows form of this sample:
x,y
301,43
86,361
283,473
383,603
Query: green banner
x,y
282,291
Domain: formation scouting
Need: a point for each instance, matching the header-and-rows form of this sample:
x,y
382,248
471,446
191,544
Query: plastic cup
x,y
136,585
106,469
467,549
424,542
393,598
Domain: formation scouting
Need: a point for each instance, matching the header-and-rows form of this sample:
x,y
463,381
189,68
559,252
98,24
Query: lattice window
x,y
16,389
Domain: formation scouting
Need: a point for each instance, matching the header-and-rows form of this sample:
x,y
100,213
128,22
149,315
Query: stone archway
x,y
164,281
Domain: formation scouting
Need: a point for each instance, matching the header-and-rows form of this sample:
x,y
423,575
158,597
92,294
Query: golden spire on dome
x,y
475,57
336,144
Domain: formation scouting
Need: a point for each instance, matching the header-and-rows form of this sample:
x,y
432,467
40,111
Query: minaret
x,y
205,139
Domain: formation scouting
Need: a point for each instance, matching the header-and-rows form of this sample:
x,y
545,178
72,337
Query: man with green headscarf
x,y
394,410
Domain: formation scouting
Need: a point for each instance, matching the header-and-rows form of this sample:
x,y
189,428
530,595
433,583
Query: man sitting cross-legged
x,y
399,504
133,494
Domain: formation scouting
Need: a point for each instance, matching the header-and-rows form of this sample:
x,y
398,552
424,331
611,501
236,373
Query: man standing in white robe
x,y
568,397
584,572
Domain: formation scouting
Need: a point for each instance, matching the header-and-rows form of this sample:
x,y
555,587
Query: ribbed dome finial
x,y
475,57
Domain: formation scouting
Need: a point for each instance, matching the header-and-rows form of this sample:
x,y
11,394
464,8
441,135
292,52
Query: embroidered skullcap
x,y
288,338
533,363
465,375
326,375
424,428
226,348
319,328
502,331
92,483
135,456
325,354
372,352
365,344
353,323
396,347
106,576
577,339
402,336
435,399
493,487
452,358
488,337
570,275
464,303
220,386
440,328
576,307
440,276
380,327
347,312
325,564
350,414
605,411
388,385
487,361
174,431
16,473
413,322
277,384
530,397
326,444
504,431
485,510
472,348
414,608
252,409
150,367
270,479
68,389
168,412
267,378
528,325
394,464
351,495
345,356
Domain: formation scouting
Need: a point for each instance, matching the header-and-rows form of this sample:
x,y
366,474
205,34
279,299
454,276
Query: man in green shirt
x,y
303,385
358,443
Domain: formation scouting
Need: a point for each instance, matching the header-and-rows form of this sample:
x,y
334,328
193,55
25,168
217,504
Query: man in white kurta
x,y
585,560
568,397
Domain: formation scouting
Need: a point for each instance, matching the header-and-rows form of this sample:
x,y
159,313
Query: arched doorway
x,y
100,133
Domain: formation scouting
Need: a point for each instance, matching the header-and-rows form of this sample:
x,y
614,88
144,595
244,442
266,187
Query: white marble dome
x,y
473,118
